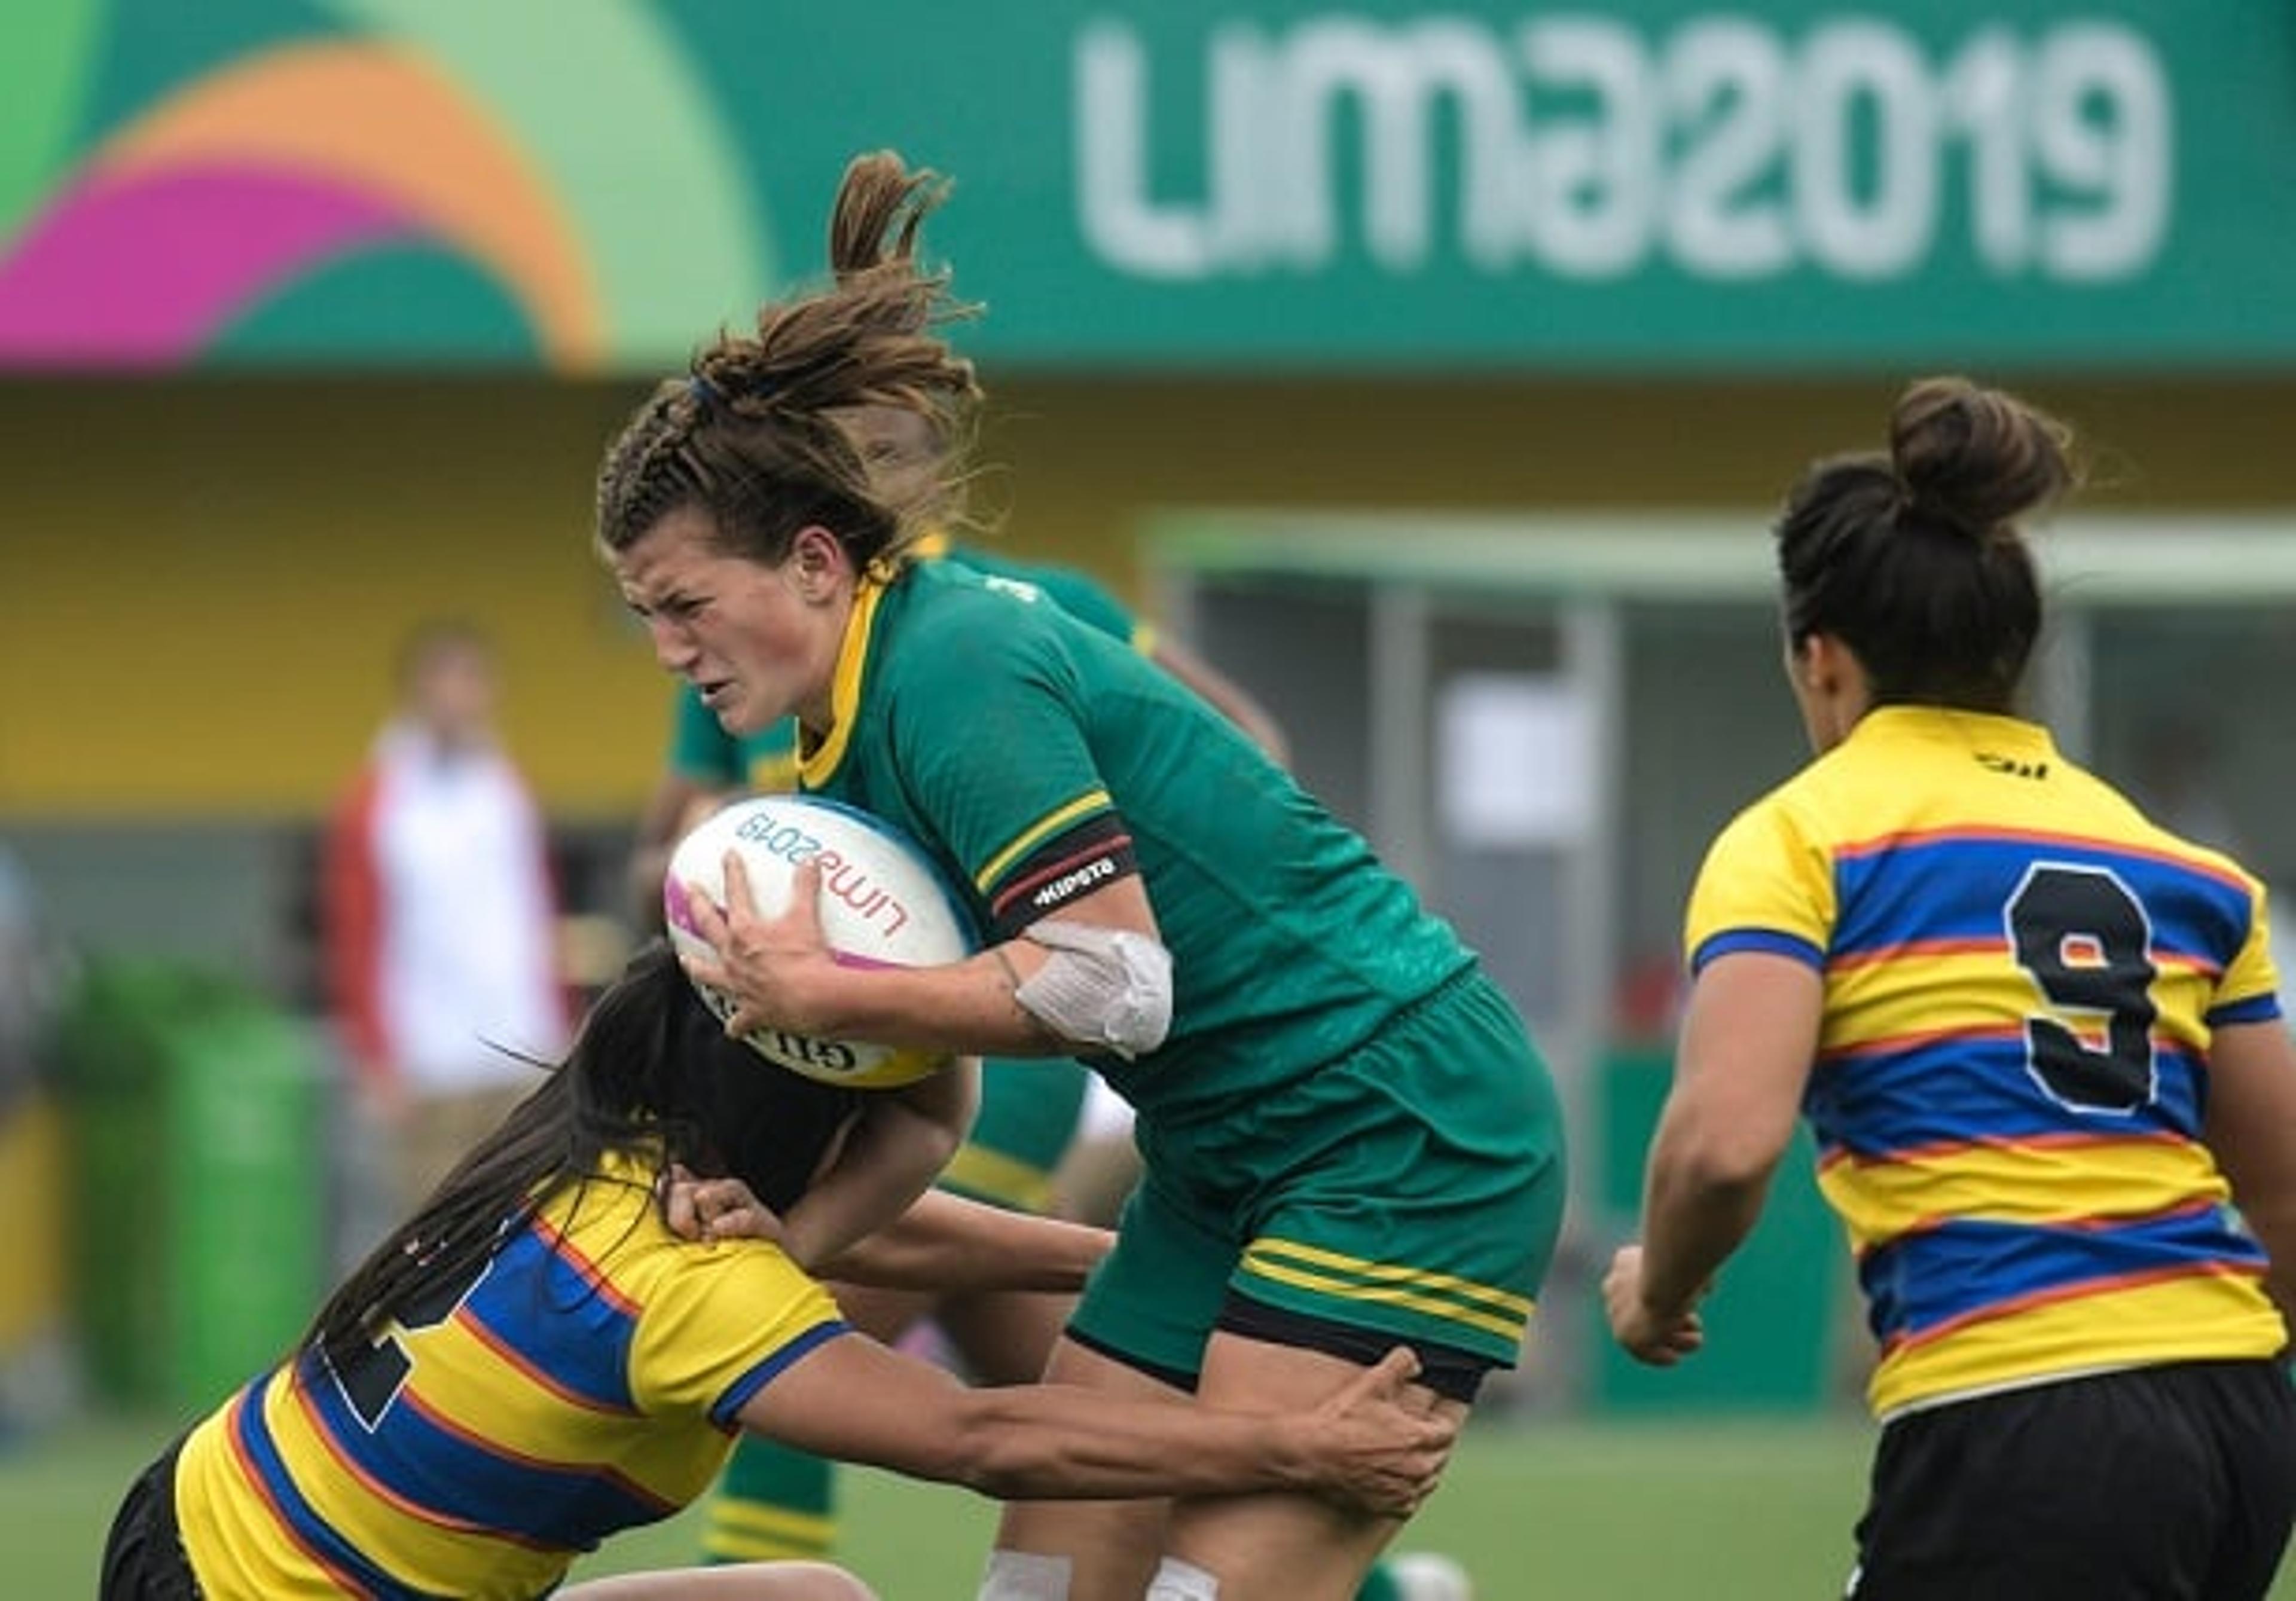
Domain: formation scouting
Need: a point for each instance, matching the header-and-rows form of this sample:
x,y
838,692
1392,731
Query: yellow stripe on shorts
x,y
1440,1296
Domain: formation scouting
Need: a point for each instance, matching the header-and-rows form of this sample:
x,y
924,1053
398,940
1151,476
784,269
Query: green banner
x,y
1179,184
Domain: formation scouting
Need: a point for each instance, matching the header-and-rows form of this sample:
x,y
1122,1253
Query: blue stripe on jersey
x,y
1952,1090
1767,940
2256,1008
1954,887
738,1393
432,1466
1920,1281
548,1312
303,1524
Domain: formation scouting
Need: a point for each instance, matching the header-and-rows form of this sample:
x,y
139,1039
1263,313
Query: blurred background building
x,y
1434,368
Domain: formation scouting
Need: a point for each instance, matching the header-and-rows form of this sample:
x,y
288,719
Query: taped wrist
x,y
1106,988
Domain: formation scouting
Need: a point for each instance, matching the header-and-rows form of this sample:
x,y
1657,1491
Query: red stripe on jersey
x,y
493,1448
1111,846
2073,1291
591,1274
371,1485
255,1480
1854,849
470,1324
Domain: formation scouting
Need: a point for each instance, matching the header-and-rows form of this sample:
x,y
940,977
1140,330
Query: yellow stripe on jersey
x,y
2204,1316
424,1546
2068,1181
1043,828
1346,1277
1916,994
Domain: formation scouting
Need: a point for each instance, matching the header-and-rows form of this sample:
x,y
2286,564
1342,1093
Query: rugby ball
x,y
883,904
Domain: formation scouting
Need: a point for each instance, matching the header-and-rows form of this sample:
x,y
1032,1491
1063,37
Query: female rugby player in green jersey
x,y
2038,1040
1348,1139
775,1502
538,1358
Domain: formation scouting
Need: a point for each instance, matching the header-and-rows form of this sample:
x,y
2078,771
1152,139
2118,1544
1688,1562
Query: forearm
x,y
900,1145
1749,1036
1056,1442
947,1243
967,1006
1695,1213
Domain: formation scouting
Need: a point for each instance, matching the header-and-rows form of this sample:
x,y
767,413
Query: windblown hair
x,y
1915,558
775,432
651,1074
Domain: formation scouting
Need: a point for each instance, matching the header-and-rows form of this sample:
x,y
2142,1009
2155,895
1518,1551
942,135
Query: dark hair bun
x,y
1973,459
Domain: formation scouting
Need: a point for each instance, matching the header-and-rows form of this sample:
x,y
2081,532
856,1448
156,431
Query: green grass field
x,y
1731,1510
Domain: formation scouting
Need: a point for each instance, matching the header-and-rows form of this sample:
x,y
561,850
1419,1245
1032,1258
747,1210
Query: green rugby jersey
x,y
1038,759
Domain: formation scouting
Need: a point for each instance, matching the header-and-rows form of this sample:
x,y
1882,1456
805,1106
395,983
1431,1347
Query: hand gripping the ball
x,y
774,969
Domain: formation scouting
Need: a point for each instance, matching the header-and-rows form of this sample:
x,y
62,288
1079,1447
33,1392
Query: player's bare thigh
x,y
1280,1547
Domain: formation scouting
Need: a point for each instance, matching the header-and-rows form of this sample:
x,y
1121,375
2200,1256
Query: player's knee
x,y
826,1581
1024,1576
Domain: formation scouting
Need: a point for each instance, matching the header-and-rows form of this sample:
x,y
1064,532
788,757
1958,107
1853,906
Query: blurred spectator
x,y
438,917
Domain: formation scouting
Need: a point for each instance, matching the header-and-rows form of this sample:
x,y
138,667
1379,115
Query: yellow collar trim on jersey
x,y
933,545
1958,722
814,766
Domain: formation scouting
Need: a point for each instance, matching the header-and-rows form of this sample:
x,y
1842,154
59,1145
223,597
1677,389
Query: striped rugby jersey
x,y
586,1380
2021,977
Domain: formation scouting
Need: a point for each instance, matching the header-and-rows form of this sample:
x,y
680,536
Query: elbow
x,y
943,1144
943,1130
1726,1163
1101,988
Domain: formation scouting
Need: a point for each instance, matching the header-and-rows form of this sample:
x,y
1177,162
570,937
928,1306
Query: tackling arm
x,y
902,1140
1374,1445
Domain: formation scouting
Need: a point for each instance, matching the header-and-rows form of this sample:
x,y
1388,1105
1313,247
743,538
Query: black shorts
x,y
2152,1484
143,1556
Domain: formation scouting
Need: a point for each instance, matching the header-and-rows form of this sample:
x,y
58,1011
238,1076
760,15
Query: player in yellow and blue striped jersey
x,y
2038,1041
541,1356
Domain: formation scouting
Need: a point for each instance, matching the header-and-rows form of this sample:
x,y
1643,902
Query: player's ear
x,y
1816,662
818,557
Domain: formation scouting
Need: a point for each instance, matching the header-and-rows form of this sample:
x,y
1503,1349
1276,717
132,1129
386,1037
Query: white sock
x,y
1024,1576
1177,1580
